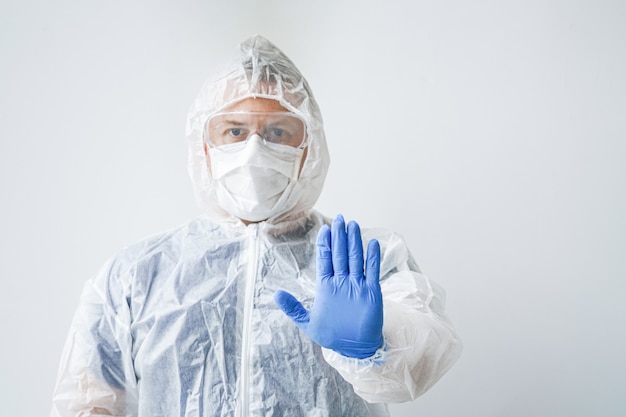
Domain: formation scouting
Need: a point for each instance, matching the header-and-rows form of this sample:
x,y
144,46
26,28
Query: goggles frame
x,y
236,125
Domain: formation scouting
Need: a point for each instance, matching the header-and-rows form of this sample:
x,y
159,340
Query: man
x,y
189,322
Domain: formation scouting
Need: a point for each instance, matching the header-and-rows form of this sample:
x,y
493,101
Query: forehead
x,y
258,104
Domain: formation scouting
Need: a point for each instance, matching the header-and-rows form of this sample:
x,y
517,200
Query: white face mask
x,y
253,178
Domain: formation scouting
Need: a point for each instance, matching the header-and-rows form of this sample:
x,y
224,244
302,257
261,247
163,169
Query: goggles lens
x,y
282,128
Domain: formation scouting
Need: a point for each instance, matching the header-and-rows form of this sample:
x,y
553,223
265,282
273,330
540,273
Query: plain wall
x,y
491,134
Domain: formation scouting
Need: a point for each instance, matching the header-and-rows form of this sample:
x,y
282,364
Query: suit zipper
x,y
253,261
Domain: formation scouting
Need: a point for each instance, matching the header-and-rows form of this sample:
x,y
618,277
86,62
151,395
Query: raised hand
x,y
347,314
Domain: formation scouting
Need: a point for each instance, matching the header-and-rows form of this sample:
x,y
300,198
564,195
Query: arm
x,y
96,376
390,360
420,344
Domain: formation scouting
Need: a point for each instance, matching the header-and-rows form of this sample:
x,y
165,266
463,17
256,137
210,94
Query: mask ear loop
x,y
205,135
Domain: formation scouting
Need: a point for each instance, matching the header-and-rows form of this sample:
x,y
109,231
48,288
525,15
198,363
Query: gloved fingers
x,y
292,308
372,264
339,246
324,254
355,251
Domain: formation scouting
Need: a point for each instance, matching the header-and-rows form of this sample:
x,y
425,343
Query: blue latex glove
x,y
347,314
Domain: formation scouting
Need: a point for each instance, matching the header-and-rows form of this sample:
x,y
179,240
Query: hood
x,y
262,70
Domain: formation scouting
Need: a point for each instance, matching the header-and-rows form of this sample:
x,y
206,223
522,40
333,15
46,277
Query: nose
x,y
254,136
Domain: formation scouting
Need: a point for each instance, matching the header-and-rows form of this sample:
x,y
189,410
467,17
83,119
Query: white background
x,y
491,134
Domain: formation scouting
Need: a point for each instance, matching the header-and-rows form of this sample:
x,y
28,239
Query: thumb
x,y
292,308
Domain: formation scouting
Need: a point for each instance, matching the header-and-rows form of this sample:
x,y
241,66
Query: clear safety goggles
x,y
228,128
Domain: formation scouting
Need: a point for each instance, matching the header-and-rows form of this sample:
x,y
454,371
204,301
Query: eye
x,y
277,132
235,131
278,135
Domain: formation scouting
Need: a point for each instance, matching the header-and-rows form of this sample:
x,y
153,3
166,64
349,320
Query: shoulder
x,y
395,253
154,249
131,274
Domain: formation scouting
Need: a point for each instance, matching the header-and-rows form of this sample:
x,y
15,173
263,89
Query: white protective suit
x,y
184,323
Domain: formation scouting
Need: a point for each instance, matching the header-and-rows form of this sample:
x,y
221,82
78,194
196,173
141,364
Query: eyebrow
x,y
232,122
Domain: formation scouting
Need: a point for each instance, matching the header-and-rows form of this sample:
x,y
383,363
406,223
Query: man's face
x,y
241,132
255,105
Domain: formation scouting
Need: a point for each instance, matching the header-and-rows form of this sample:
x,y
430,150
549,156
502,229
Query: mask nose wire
x,y
257,134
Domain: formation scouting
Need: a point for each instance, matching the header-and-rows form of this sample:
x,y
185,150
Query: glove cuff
x,y
361,352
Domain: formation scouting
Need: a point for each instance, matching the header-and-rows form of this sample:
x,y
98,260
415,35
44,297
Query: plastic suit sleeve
x,y
95,376
420,343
